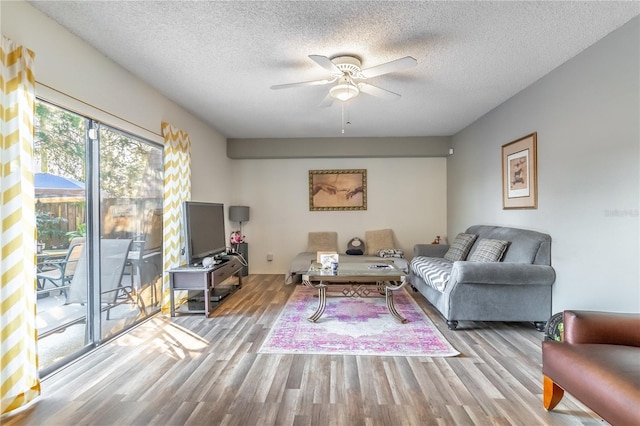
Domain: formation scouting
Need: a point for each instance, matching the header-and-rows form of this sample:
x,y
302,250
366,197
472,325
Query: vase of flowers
x,y
236,238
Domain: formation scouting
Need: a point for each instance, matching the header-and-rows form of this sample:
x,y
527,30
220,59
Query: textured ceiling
x,y
219,59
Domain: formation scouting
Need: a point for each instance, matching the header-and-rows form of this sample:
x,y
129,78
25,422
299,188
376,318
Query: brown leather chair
x,y
598,363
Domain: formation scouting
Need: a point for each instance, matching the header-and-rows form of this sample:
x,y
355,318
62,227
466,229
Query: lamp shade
x,y
239,213
344,92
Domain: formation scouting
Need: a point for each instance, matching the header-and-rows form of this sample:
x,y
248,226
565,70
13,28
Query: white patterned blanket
x,y
433,270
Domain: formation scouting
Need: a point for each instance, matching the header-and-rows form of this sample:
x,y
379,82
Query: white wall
x,y
71,66
587,115
407,195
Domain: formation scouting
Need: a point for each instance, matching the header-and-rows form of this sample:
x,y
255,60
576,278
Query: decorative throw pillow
x,y
322,241
378,240
460,247
390,253
355,246
488,251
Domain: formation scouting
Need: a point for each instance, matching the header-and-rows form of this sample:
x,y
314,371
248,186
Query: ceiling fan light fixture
x,y
344,91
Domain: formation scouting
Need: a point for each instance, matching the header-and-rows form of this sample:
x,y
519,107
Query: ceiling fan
x,y
346,72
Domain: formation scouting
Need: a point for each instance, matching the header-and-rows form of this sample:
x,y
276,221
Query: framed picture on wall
x,y
337,190
520,173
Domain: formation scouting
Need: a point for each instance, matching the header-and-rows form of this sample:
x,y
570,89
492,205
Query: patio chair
x,y
59,272
134,261
143,270
113,292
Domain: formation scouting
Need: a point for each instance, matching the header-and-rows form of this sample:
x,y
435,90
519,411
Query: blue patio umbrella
x,y
53,188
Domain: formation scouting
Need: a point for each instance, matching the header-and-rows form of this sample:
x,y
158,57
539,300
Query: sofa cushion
x,y
435,271
526,246
460,247
488,250
322,241
378,240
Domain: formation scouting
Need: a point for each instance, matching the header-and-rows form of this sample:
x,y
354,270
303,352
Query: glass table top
x,y
360,269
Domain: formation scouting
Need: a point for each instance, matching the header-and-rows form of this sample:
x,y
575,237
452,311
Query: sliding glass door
x,y
130,175
60,152
99,213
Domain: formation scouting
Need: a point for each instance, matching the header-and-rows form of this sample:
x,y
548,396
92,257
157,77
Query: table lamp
x,y
239,214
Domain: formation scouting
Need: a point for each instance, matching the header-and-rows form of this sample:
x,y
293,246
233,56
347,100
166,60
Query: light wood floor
x,y
192,370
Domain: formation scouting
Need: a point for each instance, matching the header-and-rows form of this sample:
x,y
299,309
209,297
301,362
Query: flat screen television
x,y
204,231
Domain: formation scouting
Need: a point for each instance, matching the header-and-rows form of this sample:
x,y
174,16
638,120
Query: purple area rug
x,y
355,326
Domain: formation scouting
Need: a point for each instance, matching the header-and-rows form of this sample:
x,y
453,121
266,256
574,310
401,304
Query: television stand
x,y
195,302
206,279
220,293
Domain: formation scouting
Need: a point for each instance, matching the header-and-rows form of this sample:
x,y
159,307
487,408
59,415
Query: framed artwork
x,y
321,254
337,190
327,258
520,174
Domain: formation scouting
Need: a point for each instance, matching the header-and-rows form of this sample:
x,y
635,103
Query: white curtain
x,y
19,375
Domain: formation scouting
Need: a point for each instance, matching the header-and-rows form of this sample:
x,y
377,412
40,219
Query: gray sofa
x,y
515,288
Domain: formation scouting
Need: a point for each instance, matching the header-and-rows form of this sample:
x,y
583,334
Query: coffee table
x,y
357,279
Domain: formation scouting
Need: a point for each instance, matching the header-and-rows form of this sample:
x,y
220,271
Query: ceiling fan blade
x,y
392,66
377,92
303,83
326,102
326,63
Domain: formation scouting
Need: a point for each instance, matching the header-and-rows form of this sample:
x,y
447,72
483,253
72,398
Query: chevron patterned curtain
x,y
177,188
19,375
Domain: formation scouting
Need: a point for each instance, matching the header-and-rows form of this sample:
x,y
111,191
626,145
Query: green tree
x,y
60,148
123,161
59,141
